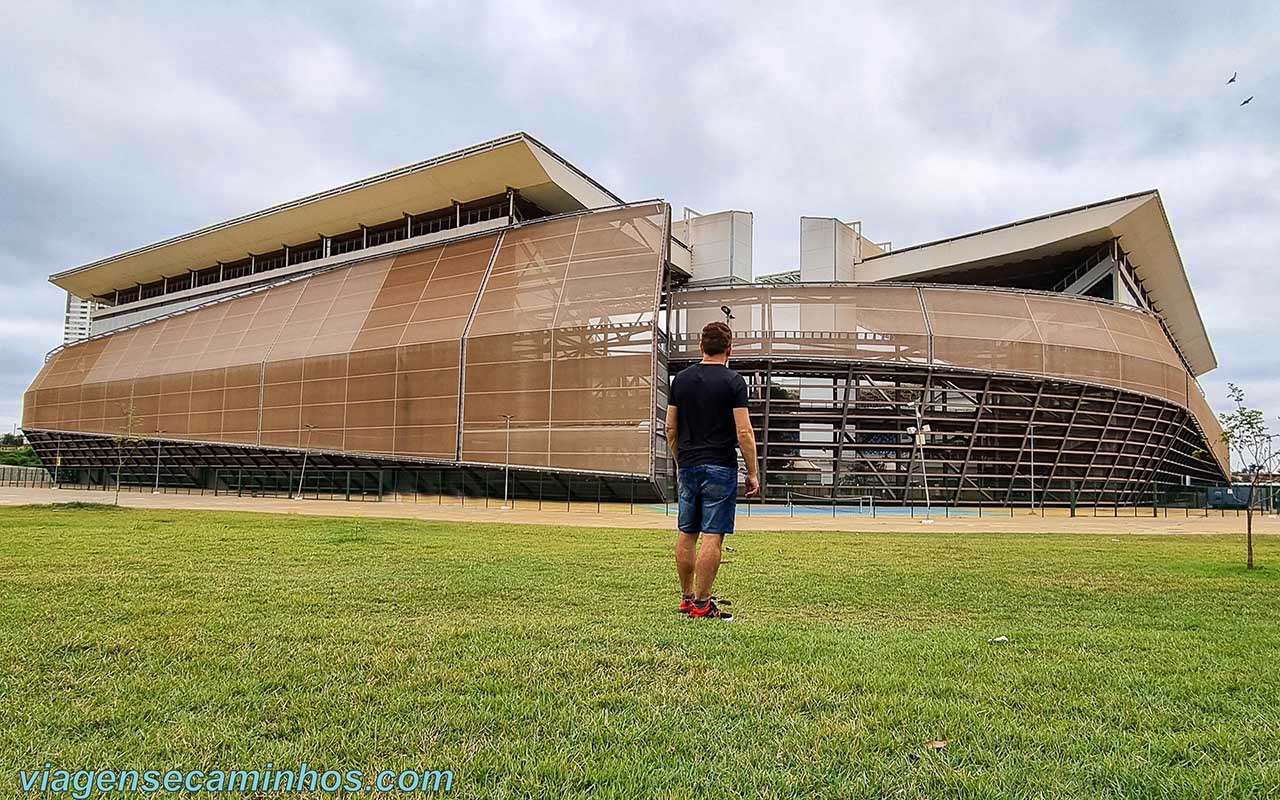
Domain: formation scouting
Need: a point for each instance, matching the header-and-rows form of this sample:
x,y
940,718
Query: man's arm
x,y
672,438
747,443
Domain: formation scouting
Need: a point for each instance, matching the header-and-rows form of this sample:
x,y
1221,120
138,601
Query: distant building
x,y
78,320
386,332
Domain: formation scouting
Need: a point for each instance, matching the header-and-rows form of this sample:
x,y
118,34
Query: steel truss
x,y
93,460
840,431
833,430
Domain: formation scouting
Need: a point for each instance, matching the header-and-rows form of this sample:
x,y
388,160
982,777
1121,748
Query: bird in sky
x,y
1248,100
1233,78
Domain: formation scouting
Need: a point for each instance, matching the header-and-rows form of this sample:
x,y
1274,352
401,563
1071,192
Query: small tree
x,y
21,457
126,437
1244,430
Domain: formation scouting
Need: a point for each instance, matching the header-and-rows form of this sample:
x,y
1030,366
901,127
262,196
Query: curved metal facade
x,y
553,322
418,358
840,372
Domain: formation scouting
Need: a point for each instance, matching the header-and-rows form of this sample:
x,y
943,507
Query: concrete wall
x,y
829,250
720,245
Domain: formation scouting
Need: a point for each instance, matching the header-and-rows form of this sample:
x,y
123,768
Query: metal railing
x,y
25,476
1102,254
587,494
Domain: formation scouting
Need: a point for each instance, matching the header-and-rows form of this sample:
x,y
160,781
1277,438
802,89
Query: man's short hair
x,y
716,338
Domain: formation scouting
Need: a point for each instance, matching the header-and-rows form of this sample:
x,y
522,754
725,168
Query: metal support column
x,y
973,437
1062,447
1022,448
842,432
1120,451
764,431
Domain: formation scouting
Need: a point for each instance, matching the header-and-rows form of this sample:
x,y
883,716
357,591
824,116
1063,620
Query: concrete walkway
x,y
584,515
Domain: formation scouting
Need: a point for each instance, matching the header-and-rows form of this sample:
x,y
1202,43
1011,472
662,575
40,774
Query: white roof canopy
x,y
1137,220
517,161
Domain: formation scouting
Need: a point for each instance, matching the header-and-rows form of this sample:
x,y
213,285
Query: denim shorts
x,y
708,495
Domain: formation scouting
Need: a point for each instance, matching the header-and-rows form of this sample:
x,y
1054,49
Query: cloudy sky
x,y
124,124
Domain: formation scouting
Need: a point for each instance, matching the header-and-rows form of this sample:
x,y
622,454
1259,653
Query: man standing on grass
x,y
706,417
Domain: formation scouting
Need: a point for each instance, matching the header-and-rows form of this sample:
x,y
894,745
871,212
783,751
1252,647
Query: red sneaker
x,y
686,603
710,611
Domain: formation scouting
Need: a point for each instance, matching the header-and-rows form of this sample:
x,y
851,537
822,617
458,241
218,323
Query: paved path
x,y
652,517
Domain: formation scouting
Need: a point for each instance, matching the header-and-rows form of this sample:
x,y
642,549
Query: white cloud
x,y
322,77
923,121
20,332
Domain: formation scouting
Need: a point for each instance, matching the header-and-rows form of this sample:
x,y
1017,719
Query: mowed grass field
x,y
549,662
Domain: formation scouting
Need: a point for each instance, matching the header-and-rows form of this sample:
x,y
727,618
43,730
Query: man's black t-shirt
x,y
705,396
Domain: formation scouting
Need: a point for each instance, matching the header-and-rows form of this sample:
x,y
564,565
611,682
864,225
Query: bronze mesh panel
x,y
563,340
867,323
1209,424
990,330
363,358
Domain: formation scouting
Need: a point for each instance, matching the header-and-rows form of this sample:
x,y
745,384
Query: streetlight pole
x,y
156,488
918,432
307,449
506,465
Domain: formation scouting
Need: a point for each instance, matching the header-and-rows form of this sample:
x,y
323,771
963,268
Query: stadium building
x,y
77,319
495,309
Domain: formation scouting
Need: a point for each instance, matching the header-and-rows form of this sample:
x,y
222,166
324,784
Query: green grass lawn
x,y
549,662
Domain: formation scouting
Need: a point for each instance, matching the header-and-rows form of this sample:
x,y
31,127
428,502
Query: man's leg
x,y
708,564
686,555
688,489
